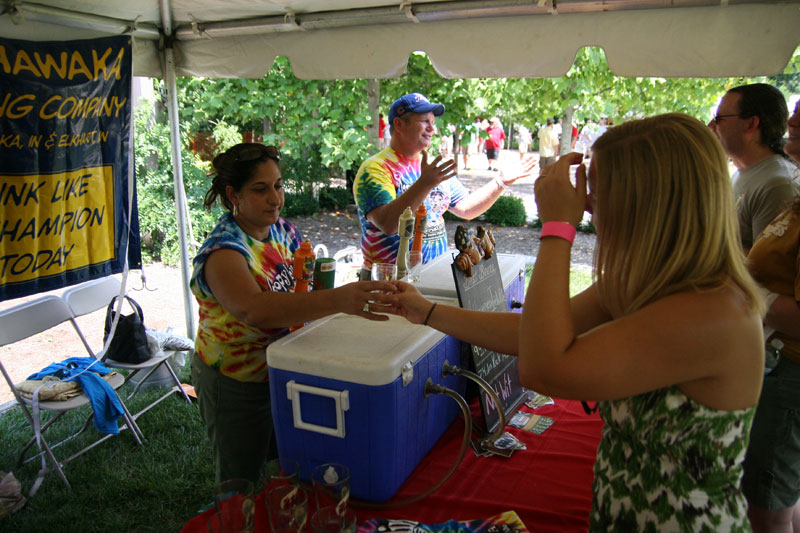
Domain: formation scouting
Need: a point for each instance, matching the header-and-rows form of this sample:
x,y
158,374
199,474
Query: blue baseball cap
x,y
413,103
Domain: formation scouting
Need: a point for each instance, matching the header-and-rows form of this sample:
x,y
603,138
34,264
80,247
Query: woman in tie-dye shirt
x,y
244,286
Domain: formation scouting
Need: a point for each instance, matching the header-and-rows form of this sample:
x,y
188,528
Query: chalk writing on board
x,y
483,291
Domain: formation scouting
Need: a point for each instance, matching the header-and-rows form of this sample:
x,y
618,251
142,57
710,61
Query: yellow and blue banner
x,y
67,186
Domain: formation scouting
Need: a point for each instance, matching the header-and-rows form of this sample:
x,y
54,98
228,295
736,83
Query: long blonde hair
x,y
667,219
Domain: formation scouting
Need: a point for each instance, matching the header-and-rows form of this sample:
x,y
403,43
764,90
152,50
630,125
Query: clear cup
x,y
287,508
384,271
280,471
331,483
235,503
414,267
326,520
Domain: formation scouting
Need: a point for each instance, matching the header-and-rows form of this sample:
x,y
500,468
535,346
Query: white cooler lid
x,y
351,348
436,277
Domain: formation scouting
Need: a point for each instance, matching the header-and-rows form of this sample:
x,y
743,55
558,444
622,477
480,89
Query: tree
x,y
320,126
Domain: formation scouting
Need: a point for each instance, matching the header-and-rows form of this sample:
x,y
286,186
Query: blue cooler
x,y
351,391
436,278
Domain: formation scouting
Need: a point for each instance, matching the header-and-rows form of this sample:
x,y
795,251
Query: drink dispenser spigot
x,y
405,229
420,224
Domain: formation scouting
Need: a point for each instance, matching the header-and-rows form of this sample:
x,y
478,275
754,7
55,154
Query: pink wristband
x,y
558,229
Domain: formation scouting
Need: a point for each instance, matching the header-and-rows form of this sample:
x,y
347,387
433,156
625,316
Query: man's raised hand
x,y
437,171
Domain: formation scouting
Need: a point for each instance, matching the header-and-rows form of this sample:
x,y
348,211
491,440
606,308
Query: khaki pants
x,y
239,422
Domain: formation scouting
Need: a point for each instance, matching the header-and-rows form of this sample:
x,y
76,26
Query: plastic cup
x,y
326,520
287,508
331,483
384,271
414,263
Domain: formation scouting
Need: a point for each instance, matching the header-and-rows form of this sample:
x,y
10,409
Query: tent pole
x,y
180,195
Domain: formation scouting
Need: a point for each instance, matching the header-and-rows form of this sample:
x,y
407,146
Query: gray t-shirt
x,y
762,191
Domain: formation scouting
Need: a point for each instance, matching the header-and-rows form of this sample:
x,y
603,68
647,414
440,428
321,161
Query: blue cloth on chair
x,y
105,402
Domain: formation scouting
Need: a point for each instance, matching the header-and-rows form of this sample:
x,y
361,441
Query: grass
x,y
117,486
579,279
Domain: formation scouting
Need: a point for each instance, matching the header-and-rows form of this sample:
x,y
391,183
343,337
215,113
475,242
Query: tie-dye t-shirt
x,y
223,342
381,179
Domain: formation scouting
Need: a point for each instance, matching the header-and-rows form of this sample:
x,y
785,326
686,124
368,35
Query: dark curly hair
x,y
234,168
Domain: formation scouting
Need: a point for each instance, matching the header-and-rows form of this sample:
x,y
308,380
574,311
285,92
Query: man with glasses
x,y
402,176
750,124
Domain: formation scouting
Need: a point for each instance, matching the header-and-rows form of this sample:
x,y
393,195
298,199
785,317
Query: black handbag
x,y
129,343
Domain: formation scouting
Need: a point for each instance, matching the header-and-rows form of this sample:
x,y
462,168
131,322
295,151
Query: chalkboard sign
x,y
483,291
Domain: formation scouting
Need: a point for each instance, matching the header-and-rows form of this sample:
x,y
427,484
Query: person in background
x,y
401,176
750,123
771,480
588,136
242,280
547,144
668,339
524,139
557,127
495,142
469,141
484,126
574,139
381,130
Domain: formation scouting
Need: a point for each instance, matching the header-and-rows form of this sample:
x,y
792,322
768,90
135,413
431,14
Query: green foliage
x,y
589,87
320,125
506,211
788,81
299,204
332,198
302,168
586,227
156,191
536,223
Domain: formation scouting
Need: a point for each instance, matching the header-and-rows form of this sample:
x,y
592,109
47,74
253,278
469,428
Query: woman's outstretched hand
x,y
366,299
408,303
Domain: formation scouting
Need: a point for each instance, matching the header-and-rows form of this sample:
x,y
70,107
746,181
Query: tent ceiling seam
x,y
292,21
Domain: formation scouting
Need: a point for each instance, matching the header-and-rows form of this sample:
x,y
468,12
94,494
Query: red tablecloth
x,y
549,484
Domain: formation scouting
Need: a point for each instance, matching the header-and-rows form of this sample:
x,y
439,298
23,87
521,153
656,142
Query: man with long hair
x,y
750,123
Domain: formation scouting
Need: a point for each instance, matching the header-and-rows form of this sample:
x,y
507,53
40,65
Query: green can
x,y
324,273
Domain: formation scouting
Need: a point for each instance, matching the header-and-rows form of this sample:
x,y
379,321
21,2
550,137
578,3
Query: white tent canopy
x,y
326,39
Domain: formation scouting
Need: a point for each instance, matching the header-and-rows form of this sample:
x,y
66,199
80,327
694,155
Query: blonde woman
x,y
668,339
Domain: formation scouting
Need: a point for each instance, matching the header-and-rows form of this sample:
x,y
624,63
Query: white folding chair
x,y
97,294
23,321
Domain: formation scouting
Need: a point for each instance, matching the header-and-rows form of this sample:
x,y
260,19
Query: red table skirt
x,y
549,484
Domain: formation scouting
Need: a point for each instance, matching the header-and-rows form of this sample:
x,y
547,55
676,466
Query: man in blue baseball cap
x,y
401,176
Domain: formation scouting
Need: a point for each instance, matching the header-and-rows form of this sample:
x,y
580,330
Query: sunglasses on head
x,y
254,151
